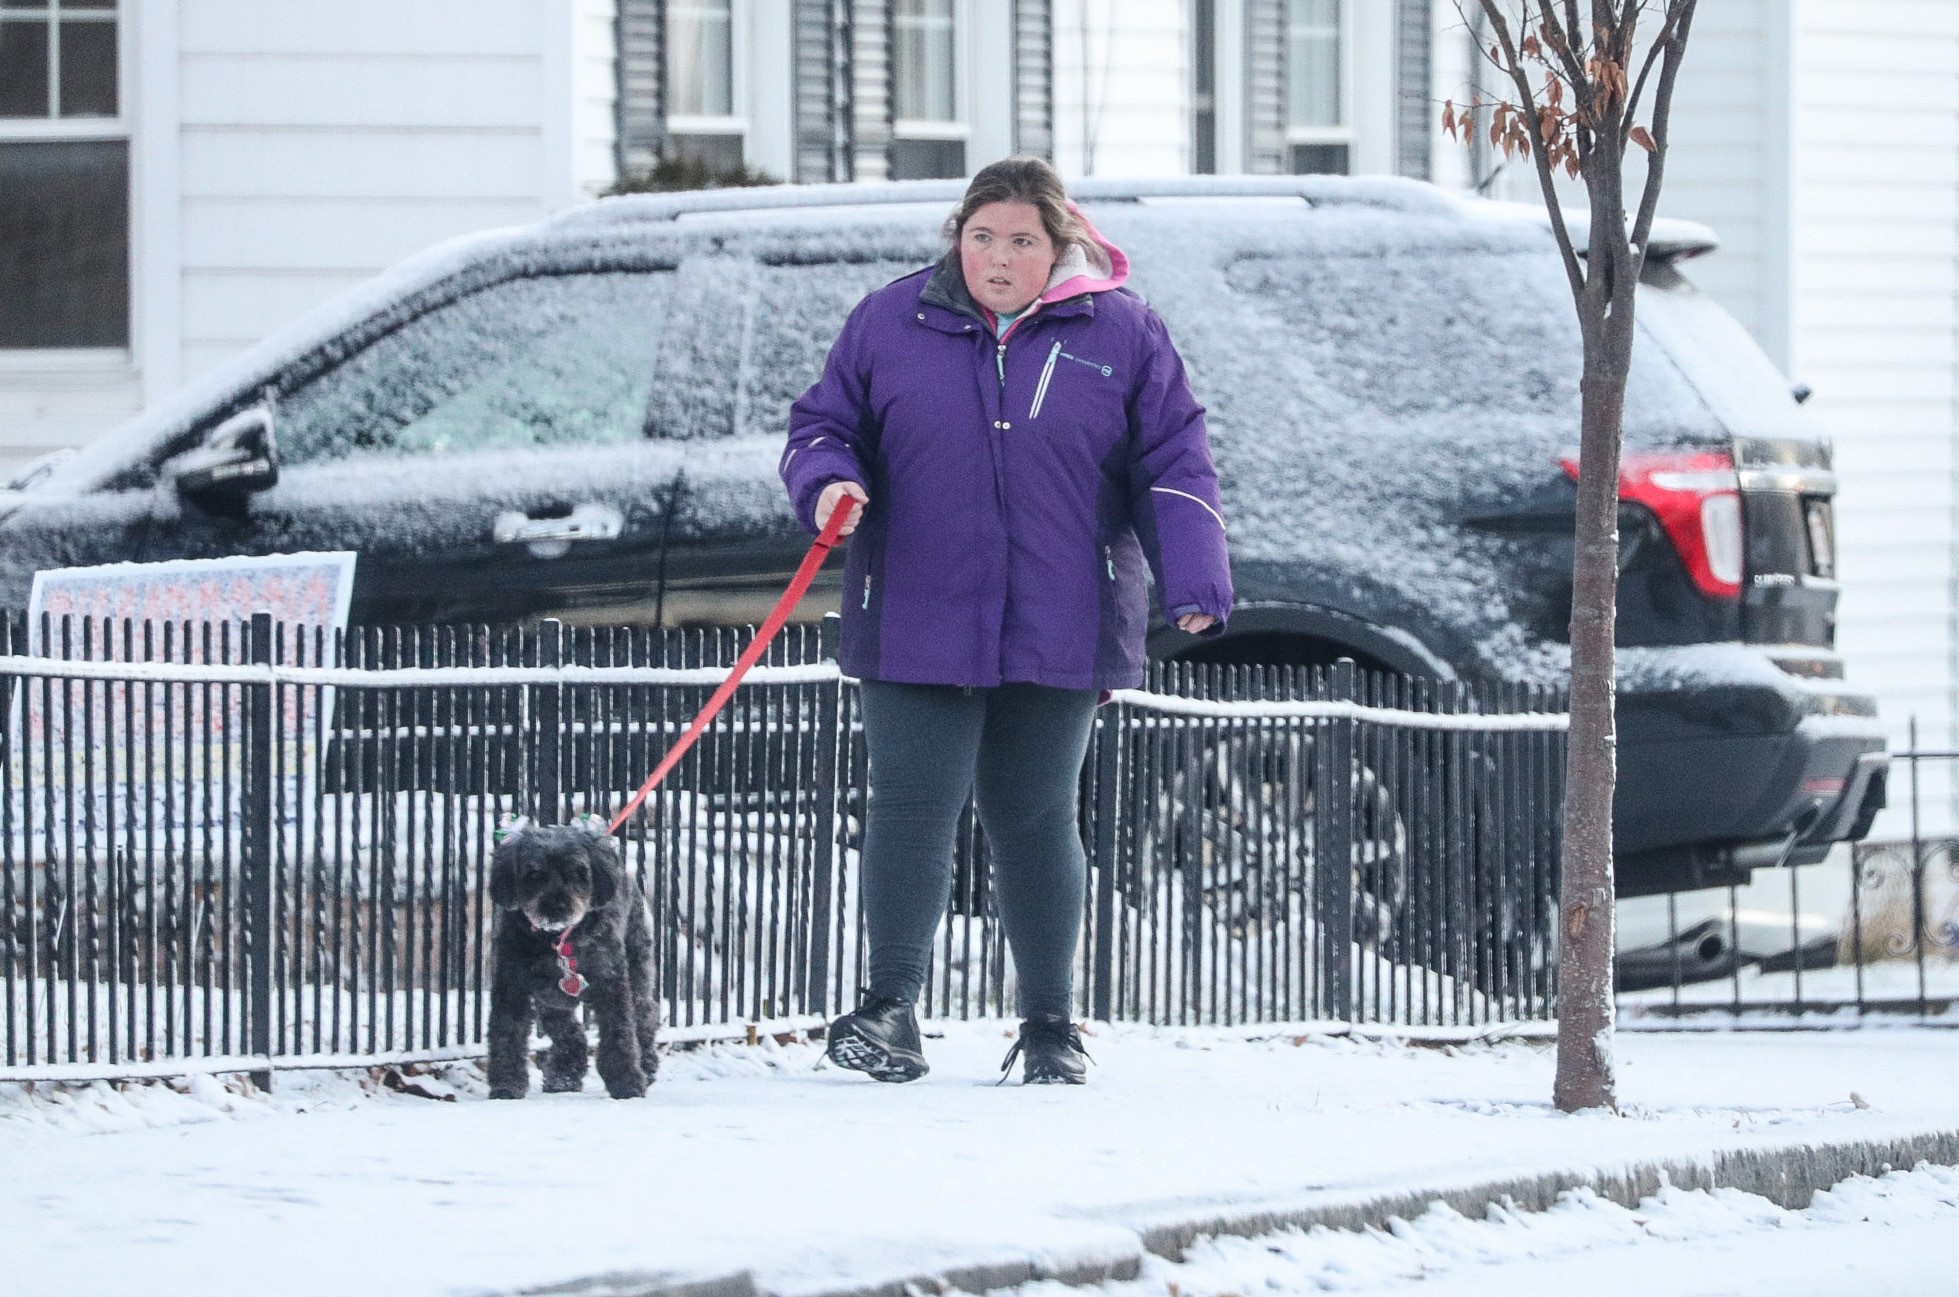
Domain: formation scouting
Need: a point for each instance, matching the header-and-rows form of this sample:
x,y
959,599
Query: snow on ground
x,y
1892,1235
765,1158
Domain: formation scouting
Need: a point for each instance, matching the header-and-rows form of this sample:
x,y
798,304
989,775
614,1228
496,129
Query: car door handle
x,y
548,537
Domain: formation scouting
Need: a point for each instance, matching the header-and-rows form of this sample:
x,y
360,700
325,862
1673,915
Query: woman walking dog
x,y
1019,435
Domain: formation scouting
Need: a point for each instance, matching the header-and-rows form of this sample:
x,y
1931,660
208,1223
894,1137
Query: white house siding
x,y
595,96
322,143
1122,90
46,404
1728,161
1875,221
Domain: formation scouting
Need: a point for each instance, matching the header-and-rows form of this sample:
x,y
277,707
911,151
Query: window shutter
x,y
642,70
870,80
822,62
1034,77
1411,74
1265,87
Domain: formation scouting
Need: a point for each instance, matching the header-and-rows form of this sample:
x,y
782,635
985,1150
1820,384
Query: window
x,y
1204,88
929,138
926,89
64,176
560,360
1318,133
718,347
701,91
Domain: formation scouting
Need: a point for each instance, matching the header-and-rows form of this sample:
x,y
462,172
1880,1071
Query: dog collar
x,y
569,979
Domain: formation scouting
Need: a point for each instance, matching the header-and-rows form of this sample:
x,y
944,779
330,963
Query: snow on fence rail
x,y
271,843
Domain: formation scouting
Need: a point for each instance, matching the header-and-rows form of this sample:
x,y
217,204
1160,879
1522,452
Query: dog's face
x,y
554,875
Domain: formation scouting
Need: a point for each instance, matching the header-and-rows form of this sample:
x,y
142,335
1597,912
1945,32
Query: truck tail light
x,y
1697,498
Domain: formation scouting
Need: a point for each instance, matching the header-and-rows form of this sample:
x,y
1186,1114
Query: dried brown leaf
x,y
1638,135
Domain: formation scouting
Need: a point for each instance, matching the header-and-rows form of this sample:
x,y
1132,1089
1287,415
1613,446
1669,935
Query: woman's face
x,y
1006,255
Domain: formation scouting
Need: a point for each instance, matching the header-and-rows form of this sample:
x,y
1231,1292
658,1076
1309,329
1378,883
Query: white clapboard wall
x,y
1875,283
321,143
282,152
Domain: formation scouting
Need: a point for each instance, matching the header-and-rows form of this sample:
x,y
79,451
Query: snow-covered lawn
x,y
764,1158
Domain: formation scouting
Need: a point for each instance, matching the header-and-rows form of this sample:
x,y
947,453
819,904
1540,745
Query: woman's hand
x,y
827,502
1196,623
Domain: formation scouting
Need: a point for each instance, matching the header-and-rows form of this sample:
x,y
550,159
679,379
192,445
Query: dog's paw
x,y
626,1087
563,1084
506,1092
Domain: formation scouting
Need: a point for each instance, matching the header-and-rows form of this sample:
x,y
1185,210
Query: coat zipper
x,y
867,591
1109,555
1047,373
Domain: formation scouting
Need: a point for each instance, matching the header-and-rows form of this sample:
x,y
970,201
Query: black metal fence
x,y
267,844
1870,933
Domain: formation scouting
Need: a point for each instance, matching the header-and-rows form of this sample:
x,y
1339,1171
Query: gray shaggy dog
x,y
571,929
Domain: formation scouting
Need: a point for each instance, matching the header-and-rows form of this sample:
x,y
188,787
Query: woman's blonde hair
x,y
1020,179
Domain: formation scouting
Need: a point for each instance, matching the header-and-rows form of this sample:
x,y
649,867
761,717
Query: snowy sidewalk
x,y
764,1159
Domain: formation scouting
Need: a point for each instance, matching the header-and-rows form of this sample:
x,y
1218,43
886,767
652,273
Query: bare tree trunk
x,y
1578,90
1585,1077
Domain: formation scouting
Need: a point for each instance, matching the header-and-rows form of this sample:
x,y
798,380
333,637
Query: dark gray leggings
x,y
1019,747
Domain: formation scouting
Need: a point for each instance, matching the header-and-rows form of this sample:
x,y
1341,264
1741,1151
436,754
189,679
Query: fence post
x,y
547,728
1108,751
1333,850
257,816
829,738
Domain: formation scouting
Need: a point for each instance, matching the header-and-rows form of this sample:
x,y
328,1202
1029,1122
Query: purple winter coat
x,y
1016,487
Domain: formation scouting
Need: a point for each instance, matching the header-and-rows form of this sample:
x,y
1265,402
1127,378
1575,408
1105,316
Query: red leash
x,y
779,614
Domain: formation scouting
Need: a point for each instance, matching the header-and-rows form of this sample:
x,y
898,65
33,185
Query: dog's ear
x,y
503,872
606,870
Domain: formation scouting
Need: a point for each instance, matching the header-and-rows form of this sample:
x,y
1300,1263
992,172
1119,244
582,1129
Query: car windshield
x,y
717,347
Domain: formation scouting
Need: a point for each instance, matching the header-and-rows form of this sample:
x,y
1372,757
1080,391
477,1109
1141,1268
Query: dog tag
x,y
572,984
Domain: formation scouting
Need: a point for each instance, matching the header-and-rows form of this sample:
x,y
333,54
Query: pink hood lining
x,y
1095,267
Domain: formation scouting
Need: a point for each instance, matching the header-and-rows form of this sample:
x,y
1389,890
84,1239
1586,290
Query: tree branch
x,y
1559,38
1680,18
1653,56
1538,152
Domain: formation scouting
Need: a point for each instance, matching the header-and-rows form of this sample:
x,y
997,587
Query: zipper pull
x,y
867,593
1109,553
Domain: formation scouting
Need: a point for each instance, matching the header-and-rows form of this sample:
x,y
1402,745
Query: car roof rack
x,y
1672,238
629,209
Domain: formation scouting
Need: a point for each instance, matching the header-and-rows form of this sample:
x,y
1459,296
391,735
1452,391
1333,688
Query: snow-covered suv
x,y
583,418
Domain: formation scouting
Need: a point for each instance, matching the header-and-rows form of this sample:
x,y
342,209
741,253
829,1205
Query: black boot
x,y
880,1039
1053,1049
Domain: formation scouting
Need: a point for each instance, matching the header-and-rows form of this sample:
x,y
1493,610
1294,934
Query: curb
x,y
647,1283
1790,1177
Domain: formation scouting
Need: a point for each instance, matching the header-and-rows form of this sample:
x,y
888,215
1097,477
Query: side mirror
x,y
237,459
